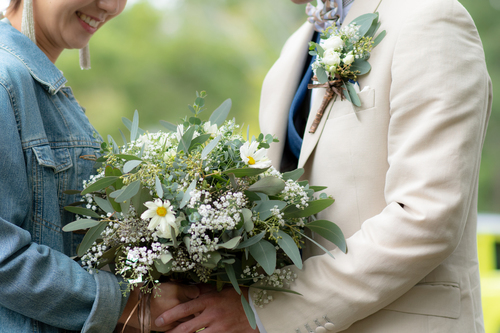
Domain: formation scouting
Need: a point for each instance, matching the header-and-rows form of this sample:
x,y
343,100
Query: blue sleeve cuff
x,y
108,305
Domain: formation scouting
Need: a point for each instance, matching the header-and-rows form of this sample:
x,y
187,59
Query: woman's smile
x,y
88,22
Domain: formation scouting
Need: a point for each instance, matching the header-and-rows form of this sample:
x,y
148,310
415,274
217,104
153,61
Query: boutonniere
x,y
341,56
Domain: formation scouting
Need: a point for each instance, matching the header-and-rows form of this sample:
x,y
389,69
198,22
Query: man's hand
x,y
215,311
171,295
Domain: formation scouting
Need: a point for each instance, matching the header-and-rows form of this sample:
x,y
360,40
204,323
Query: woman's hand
x,y
170,295
215,311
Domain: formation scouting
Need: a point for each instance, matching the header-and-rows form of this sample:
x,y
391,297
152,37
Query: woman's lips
x,y
88,23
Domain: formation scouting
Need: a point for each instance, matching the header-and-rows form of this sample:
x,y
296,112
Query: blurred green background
x,y
158,53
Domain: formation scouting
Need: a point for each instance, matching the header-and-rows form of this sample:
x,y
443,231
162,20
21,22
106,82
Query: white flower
x,y
210,129
169,155
252,157
333,43
145,140
348,59
331,58
162,218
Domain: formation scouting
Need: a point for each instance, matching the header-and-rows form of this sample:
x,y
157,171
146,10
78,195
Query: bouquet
x,y
198,203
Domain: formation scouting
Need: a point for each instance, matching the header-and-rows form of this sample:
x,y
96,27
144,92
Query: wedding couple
x,y
403,168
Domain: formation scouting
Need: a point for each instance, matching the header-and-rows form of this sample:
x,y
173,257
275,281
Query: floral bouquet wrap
x,y
198,203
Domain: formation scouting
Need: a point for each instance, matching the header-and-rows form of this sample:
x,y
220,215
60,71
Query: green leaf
x,y
158,187
129,191
365,22
264,208
293,175
245,172
195,121
373,28
199,140
252,196
329,231
128,125
81,224
135,126
288,245
276,289
251,241
352,94
220,114
185,142
162,267
361,65
314,207
100,184
187,194
318,245
379,38
131,165
72,192
247,218
127,157
214,259
249,312
232,277
139,199
230,244
320,50
321,75
318,188
169,126
125,142
104,204
90,237
265,254
269,185
82,211
210,147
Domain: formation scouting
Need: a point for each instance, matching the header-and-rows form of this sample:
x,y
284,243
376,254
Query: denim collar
x,y
39,66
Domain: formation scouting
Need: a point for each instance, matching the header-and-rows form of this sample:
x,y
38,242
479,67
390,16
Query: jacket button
x,y
321,329
330,326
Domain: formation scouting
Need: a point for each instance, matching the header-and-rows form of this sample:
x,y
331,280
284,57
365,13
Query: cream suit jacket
x,y
403,169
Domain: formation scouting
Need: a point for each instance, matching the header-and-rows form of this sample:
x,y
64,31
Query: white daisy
x,y
254,158
162,218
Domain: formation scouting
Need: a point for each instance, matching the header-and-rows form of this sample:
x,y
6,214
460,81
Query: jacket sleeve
x,y
36,281
435,136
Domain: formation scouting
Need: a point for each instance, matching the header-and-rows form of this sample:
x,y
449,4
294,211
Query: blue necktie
x,y
294,138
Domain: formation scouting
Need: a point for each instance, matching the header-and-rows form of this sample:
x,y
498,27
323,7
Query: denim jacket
x,y
46,147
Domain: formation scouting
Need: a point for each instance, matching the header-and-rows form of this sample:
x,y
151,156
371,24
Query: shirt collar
x,y
37,63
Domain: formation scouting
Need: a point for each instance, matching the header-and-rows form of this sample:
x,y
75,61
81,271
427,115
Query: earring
x,y
28,21
85,57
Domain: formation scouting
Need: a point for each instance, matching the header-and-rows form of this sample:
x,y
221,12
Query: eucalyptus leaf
x,y
232,277
252,196
114,146
100,184
251,241
321,75
81,224
318,188
139,199
128,125
352,93
169,126
233,181
128,157
162,267
131,165
264,208
373,29
90,237
220,114
361,65
185,141
265,254
365,22
82,211
213,260
276,289
158,187
210,146
199,140
269,185
135,126
187,194
293,175
104,204
314,207
245,172
320,50
329,231
231,244
379,38
125,142
290,247
129,191
249,312
247,218
318,245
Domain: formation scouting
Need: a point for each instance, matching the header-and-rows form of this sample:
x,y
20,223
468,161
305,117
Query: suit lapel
x,y
359,7
279,88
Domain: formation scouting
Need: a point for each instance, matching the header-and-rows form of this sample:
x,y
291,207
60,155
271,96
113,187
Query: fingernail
x,y
159,322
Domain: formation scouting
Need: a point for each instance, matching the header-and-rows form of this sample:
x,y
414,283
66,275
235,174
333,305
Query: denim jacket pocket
x,y
58,159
